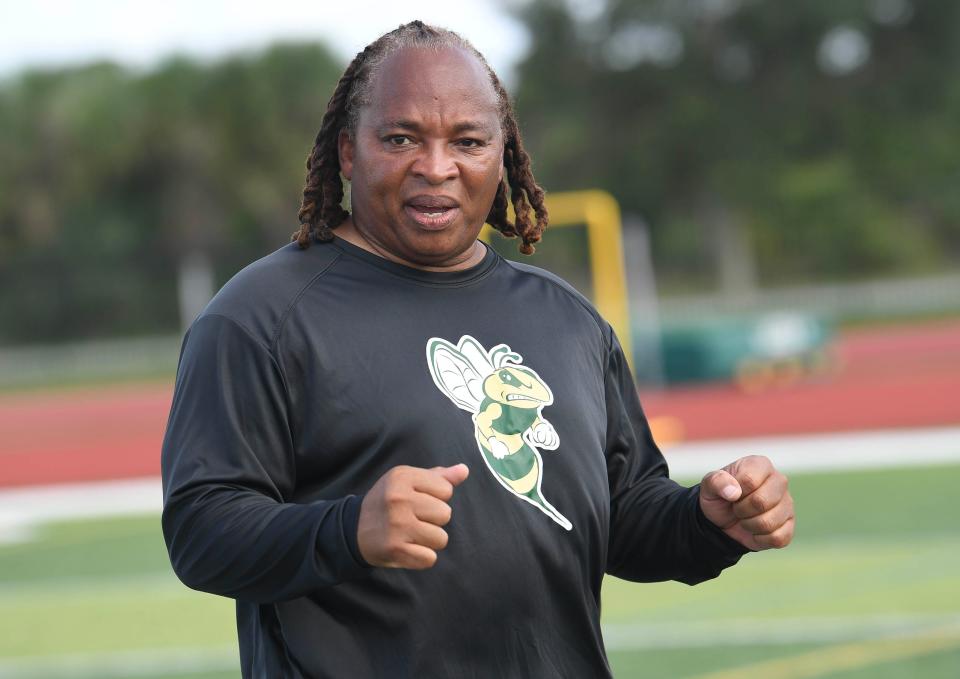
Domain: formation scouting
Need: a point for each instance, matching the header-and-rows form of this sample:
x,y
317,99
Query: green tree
x,y
110,178
821,136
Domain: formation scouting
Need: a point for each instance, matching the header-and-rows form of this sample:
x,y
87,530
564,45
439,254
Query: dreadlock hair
x,y
321,211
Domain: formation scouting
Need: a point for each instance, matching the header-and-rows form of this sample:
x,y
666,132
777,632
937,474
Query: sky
x,y
45,33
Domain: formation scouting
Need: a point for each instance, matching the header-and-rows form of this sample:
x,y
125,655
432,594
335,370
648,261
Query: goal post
x,y
599,212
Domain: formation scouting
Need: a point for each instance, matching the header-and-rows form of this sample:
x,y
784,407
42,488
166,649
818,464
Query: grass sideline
x,y
875,565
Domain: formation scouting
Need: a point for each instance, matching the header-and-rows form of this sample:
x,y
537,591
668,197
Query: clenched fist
x,y
749,500
401,516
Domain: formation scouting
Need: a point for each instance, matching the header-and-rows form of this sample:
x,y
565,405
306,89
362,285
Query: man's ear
x,y
345,151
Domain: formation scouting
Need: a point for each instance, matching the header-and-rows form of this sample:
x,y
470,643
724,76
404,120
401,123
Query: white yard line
x,y
822,452
62,587
771,631
617,637
23,508
147,662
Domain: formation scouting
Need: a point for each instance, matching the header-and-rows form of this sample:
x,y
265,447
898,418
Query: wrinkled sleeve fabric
x,y
228,472
657,529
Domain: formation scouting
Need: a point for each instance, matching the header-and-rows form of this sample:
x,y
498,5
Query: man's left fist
x,y
749,500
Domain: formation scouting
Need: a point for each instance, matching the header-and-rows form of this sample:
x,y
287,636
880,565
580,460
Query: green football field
x,y
869,588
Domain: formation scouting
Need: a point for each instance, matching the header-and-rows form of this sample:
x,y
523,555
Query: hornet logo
x,y
506,400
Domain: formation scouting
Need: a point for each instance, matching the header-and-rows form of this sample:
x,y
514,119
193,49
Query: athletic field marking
x,y
770,631
123,664
45,589
23,508
845,657
822,452
178,661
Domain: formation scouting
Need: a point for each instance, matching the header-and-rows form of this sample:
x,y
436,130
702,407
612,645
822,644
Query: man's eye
x,y
399,140
471,143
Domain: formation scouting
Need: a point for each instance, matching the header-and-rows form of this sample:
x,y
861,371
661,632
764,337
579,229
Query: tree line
x,y
763,143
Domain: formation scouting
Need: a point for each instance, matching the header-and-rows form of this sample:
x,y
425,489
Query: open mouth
x,y
432,214
515,397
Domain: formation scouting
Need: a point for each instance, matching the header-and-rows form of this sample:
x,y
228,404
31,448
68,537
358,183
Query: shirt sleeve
x,y
228,473
657,528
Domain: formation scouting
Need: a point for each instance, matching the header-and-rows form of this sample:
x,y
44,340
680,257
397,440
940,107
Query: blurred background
x,y
787,178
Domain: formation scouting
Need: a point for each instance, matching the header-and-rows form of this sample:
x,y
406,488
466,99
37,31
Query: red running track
x,y
82,435
886,378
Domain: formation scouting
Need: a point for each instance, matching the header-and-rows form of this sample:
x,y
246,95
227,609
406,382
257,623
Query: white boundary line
x,y
772,631
21,509
122,664
822,452
617,637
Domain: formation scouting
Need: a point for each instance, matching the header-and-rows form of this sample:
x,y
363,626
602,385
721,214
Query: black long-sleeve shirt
x,y
310,375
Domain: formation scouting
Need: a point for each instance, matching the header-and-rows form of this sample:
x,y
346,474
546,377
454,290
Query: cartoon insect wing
x,y
455,374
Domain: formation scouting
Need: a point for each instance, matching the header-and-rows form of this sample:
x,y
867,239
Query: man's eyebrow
x,y
471,126
458,128
399,123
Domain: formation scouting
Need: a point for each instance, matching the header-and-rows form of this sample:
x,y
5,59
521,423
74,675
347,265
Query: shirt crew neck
x,y
440,278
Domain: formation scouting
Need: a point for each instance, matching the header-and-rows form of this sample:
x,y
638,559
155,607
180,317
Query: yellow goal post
x,y
600,213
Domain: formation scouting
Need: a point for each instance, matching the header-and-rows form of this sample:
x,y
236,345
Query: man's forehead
x,y
414,80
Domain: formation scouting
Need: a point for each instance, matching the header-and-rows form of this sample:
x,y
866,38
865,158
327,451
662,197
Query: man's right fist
x,y
401,516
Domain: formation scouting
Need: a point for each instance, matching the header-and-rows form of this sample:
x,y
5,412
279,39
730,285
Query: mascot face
x,y
516,387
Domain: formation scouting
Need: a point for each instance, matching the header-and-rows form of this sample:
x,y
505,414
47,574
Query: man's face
x,y
427,156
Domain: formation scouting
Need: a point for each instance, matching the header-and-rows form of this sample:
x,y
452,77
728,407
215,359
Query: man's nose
x,y
435,163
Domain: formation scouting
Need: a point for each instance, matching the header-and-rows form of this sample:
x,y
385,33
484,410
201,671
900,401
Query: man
x,y
405,456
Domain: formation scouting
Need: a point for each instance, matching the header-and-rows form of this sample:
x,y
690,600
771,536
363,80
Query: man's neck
x,y
348,231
